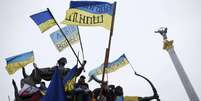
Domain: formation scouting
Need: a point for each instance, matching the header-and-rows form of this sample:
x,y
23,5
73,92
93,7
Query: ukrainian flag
x,y
44,20
89,13
72,34
55,90
111,67
70,79
115,65
19,61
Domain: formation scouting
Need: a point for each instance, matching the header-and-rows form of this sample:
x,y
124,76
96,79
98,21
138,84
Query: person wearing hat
x,y
63,71
81,84
81,90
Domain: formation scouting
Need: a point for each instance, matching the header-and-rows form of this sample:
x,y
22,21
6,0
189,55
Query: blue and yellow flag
x,y
19,61
111,67
55,90
72,34
70,79
89,13
44,20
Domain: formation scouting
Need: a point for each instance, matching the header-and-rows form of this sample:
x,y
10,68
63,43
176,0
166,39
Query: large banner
x,y
89,13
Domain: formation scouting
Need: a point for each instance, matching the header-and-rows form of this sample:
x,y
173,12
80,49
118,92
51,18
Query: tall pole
x,y
107,52
80,43
168,46
65,37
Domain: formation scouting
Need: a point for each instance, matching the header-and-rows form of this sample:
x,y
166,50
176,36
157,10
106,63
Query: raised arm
x,y
15,88
24,73
79,71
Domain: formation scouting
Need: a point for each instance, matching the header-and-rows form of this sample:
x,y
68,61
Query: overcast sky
x,y
135,23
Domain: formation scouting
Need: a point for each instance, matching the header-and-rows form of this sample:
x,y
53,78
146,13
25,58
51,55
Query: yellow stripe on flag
x,y
84,18
13,67
46,25
69,86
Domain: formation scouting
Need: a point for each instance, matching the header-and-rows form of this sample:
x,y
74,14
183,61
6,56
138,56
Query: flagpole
x,y
131,65
168,46
107,52
80,43
64,36
77,63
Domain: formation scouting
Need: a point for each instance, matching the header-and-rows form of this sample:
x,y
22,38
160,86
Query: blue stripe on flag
x,y
19,58
68,31
119,60
55,90
95,7
41,17
70,74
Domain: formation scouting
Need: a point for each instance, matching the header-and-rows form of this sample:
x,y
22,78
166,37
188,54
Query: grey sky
x,y
134,35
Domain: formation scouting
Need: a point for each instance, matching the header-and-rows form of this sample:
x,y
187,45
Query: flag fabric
x,y
28,90
55,90
69,86
70,79
72,34
111,67
44,20
131,98
19,61
119,98
89,13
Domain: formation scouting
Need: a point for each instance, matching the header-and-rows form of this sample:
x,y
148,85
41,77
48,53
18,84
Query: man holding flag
x,y
28,90
64,83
